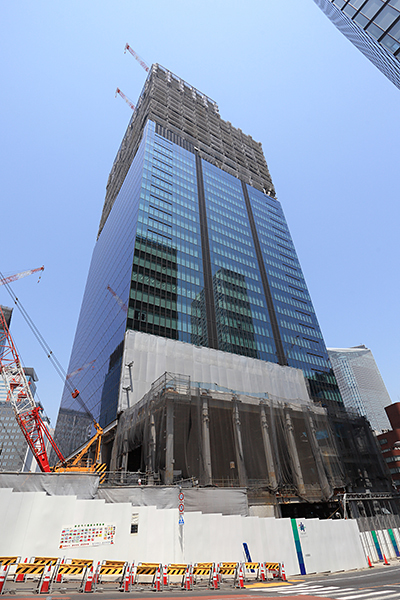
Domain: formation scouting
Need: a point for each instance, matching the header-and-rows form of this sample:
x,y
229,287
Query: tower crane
x,y
140,60
118,91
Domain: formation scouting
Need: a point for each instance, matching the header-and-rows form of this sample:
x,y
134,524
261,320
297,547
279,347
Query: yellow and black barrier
x,y
45,560
251,571
173,570
29,569
9,560
202,570
145,570
227,569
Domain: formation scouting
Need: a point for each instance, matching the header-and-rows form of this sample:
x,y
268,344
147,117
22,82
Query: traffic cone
x,y
126,582
263,575
240,576
371,566
3,576
96,576
283,574
88,585
44,583
385,561
21,577
215,578
157,580
188,579
60,577
165,576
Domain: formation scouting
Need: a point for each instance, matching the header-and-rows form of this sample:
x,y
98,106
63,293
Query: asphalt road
x,y
379,583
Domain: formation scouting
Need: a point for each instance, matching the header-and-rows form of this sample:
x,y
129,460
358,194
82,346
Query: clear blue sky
x,y
327,119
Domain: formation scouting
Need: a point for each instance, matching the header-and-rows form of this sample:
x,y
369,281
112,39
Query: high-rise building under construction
x,y
193,246
193,264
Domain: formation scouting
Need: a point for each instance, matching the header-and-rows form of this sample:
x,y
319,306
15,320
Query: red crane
x,y
19,394
140,60
118,91
17,276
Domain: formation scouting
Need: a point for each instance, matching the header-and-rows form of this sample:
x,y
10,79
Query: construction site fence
x,y
49,574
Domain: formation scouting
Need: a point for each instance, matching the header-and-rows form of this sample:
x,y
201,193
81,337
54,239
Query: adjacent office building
x,y
390,443
361,384
373,26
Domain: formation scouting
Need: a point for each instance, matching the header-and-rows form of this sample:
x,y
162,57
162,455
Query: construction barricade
x,y
145,573
203,572
51,573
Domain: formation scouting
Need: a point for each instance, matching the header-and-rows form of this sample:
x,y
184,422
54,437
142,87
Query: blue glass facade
x,y
373,26
193,252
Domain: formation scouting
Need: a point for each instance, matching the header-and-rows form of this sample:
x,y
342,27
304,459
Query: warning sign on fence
x,y
90,534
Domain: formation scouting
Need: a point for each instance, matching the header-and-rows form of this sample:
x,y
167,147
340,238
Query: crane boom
x,y
118,91
27,412
17,276
140,60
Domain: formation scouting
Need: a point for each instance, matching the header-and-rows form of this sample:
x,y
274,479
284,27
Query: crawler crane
x,y
27,414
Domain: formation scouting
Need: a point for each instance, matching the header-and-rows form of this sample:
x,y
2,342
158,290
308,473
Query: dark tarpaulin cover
x,y
206,500
54,484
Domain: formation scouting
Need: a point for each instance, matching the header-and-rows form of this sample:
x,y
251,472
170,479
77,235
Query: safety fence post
x,y
44,585
3,576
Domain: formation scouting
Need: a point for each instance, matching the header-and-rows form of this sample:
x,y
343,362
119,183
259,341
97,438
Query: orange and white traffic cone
x,y
188,579
240,576
371,566
165,576
59,578
89,580
283,574
263,574
385,561
157,580
126,582
44,583
215,577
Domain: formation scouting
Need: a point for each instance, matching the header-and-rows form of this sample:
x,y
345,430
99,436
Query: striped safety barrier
x,y
53,571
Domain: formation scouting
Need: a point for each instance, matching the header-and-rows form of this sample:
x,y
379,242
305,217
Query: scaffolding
x,y
182,430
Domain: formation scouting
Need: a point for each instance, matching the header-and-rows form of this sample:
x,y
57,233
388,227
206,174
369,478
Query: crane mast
x,y
27,412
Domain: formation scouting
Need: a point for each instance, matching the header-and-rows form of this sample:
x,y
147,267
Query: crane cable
x,y
50,355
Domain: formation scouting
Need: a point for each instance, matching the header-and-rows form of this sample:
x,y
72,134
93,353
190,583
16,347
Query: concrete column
x,y
268,448
239,446
169,447
323,480
206,441
296,467
152,450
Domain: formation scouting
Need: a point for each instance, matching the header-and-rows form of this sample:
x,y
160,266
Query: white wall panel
x,y
31,524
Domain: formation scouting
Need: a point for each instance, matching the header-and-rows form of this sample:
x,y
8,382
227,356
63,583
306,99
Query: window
x,y
361,20
349,10
371,7
357,3
386,17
